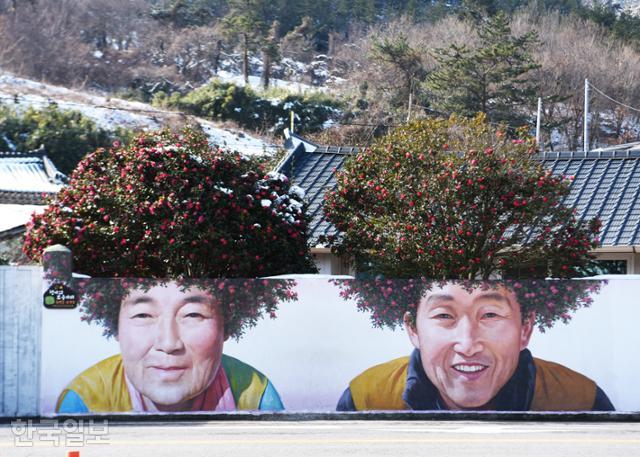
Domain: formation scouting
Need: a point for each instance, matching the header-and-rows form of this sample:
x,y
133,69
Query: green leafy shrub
x,y
225,101
457,199
66,135
167,205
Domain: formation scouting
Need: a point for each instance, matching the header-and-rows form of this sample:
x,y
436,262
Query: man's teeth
x,y
469,368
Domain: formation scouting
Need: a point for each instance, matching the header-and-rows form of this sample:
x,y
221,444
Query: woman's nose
x,y
168,338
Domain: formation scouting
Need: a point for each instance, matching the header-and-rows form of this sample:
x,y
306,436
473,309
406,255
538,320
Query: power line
x,y
613,99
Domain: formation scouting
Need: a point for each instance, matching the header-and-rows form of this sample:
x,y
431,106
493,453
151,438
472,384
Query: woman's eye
x,y
443,316
141,316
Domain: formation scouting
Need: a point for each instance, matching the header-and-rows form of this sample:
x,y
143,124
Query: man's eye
x,y
195,315
141,316
443,316
490,315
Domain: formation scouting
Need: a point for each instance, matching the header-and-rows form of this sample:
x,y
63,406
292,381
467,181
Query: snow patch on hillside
x,y
255,82
110,113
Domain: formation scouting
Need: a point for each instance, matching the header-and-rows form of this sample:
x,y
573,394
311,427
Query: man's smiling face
x,y
469,342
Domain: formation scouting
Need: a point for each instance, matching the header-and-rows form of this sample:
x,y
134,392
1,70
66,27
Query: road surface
x,y
322,438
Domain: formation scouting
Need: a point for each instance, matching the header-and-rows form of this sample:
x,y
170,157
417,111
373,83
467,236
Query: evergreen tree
x,y
400,55
66,135
493,78
270,52
245,21
185,13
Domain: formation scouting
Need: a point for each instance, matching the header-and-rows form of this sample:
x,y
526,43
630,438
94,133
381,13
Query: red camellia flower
x,y
480,215
171,206
195,193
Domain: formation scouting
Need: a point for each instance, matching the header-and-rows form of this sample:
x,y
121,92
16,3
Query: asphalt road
x,y
326,438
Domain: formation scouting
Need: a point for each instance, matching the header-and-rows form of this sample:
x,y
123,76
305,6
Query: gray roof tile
x,y
606,184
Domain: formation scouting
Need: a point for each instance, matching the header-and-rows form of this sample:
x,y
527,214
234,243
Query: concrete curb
x,y
507,416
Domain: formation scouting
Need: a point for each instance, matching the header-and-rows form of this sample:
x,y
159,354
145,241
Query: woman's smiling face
x,y
469,342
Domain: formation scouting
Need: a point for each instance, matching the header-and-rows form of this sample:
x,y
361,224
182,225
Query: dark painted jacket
x,y
536,385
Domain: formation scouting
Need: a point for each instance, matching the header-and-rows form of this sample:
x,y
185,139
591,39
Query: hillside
x,y
375,64
109,112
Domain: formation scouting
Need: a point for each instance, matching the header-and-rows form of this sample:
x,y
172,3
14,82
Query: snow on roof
x,y
635,146
28,172
12,216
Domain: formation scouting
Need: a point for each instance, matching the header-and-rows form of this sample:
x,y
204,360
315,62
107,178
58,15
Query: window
x,y
610,267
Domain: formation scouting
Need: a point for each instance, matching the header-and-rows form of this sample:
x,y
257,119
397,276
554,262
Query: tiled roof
x,y
606,185
313,168
26,176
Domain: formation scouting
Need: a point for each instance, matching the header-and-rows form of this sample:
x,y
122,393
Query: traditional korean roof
x,y
313,168
26,176
606,184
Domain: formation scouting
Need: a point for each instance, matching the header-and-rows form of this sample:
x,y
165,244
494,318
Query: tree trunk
x,y
266,69
245,58
216,56
332,44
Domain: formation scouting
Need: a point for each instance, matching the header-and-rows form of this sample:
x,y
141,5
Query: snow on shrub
x,y
167,205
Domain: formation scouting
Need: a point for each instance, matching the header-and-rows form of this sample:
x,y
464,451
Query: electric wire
x,y
613,99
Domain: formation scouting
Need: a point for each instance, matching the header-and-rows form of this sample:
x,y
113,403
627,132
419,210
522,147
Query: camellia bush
x,y
388,300
169,206
457,199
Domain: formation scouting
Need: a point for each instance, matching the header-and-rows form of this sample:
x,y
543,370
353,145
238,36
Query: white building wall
x,y
20,340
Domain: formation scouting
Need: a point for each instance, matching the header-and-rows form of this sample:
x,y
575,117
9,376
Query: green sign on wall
x,y
59,296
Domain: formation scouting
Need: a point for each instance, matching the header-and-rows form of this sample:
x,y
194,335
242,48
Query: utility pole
x,y
538,124
410,103
585,138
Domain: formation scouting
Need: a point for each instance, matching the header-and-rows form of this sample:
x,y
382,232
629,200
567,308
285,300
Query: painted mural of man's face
x,y
171,341
469,342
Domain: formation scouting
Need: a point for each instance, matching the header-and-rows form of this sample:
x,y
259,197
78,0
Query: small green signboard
x,y
59,296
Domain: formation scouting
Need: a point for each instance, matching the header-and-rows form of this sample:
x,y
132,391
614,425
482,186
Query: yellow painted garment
x,y
557,388
103,387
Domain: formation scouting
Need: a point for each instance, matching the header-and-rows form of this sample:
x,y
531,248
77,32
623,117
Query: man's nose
x,y
468,341
168,336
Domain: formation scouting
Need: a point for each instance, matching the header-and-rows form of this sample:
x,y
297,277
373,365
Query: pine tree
x,y
245,22
187,13
401,56
270,52
494,78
